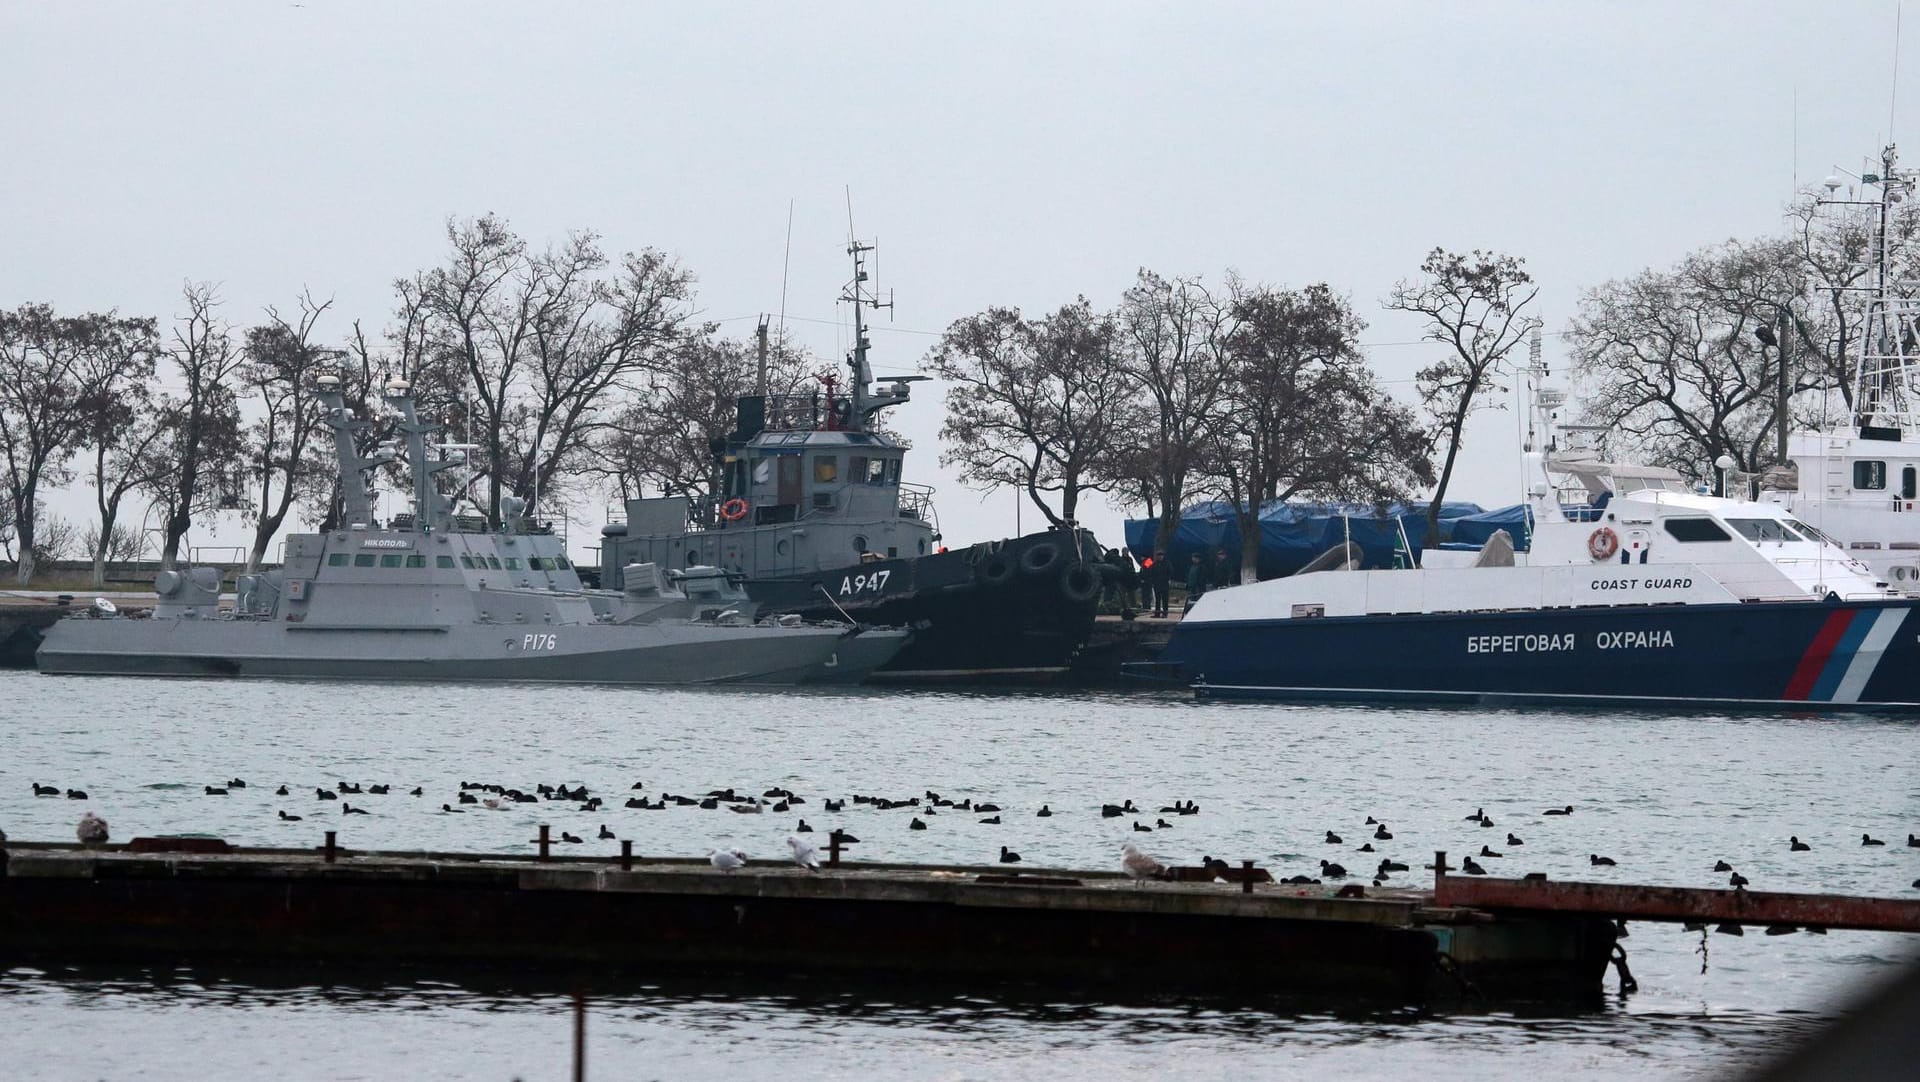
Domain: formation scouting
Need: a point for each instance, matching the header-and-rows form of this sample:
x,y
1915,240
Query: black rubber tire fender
x,y
996,570
1040,559
1080,583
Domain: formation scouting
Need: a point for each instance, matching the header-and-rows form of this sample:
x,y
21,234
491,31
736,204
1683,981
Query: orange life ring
x,y
1603,543
734,510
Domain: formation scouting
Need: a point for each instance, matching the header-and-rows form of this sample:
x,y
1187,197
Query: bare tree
x,y
122,545
55,372
533,348
124,434
1670,359
1033,403
664,437
281,360
202,423
1301,413
56,538
1473,306
1171,333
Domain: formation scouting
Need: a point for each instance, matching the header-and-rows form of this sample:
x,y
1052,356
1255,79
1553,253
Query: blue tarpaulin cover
x,y
1292,533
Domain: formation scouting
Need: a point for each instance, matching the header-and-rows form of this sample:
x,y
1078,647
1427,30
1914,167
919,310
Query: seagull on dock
x,y
92,830
1140,866
727,860
804,854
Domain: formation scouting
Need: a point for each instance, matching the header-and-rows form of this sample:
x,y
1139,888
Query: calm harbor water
x,y
1664,795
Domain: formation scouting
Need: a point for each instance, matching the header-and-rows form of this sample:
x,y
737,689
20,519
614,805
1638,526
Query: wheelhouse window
x,y
337,559
416,561
857,468
363,559
1907,483
826,469
443,561
513,563
391,559
493,562
1812,534
466,561
1696,529
560,563
1870,474
877,470
1764,529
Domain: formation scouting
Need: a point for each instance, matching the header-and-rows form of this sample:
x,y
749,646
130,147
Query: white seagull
x,y
804,854
751,808
1139,865
92,829
727,859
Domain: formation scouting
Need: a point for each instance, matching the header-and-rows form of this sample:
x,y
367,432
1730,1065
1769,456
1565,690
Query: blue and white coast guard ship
x,y
1642,592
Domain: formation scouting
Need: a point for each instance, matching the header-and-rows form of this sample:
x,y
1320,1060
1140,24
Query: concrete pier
x,y
1073,928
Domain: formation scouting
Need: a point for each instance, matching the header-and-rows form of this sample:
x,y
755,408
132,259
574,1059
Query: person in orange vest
x,y
1159,576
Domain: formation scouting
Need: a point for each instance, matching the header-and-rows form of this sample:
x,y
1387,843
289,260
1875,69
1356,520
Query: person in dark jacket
x,y
1224,572
1158,574
1196,579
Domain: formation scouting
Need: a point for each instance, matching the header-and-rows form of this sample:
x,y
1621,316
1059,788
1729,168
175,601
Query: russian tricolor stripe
x,y
1843,654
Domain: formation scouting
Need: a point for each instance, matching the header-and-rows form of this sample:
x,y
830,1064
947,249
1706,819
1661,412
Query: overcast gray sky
x,y
1012,154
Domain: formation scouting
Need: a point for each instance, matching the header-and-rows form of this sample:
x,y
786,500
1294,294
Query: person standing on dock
x,y
1159,576
1224,572
1196,579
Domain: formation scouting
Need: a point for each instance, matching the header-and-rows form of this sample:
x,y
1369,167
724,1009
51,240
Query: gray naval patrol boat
x,y
434,596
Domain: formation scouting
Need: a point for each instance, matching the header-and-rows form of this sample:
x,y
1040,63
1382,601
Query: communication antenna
x,y
786,262
1893,92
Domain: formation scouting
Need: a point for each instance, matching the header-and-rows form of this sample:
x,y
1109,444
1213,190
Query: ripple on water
x,y
1665,795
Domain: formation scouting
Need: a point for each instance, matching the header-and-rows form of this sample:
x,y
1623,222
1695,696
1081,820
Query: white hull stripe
x,y
1886,624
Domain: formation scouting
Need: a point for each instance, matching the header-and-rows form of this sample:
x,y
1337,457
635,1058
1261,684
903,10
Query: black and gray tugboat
x,y
810,512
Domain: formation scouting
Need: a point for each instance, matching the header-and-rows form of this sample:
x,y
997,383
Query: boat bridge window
x,y
416,560
1696,529
1907,485
513,563
1813,534
443,561
466,561
826,469
337,559
762,470
391,559
1870,474
492,562
1764,529
363,559
893,471
561,563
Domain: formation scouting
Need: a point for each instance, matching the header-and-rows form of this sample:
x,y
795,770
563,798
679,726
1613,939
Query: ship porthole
x,y
859,542
781,546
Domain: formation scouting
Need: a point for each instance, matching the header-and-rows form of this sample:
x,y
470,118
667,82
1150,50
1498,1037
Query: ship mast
x,y
1885,399
861,297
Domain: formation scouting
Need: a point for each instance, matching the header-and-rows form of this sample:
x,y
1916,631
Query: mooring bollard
x,y
1246,884
833,848
626,856
546,840
330,848
1439,864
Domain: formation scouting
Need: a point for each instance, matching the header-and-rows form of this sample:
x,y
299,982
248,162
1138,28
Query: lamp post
x,y
1725,462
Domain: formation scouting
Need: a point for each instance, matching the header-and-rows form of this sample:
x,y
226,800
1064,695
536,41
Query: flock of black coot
x,y
490,796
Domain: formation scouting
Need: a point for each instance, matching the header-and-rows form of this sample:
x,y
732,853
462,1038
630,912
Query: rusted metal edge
x,y
1639,902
